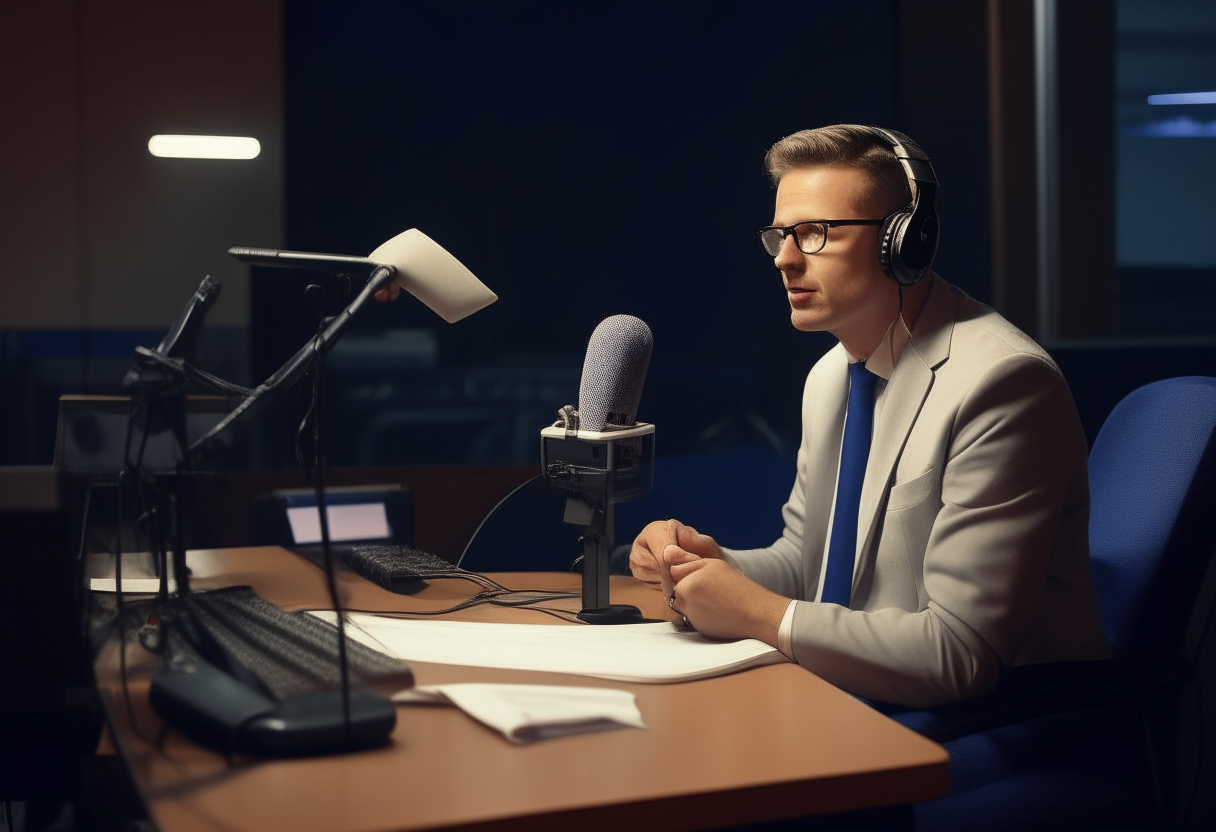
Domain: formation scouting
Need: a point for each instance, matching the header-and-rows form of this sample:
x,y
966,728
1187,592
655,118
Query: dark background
x,y
588,161
584,161
591,160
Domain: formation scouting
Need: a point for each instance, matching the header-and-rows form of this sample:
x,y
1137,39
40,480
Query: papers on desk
x,y
523,713
131,586
657,652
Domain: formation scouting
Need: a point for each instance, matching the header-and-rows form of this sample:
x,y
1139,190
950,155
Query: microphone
x,y
614,372
600,455
423,268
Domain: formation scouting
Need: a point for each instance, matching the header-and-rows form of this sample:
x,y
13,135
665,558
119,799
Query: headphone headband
x,y
907,241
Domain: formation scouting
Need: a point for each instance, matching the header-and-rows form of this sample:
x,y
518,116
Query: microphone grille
x,y
614,372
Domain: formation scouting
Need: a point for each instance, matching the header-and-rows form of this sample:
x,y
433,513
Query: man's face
x,y
841,288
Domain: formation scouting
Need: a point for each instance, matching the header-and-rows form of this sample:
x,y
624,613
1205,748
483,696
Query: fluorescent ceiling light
x,y
204,147
1183,98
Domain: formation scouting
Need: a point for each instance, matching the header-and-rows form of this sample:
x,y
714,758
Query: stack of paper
x,y
656,652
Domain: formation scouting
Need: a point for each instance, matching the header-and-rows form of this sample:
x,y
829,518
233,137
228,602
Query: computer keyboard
x,y
279,652
396,567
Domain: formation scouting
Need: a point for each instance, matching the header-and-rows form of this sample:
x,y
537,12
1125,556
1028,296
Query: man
x,y
966,552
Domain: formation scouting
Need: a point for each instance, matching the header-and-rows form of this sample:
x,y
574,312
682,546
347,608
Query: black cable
x,y
132,475
82,572
139,485
304,459
494,597
177,537
564,615
145,515
119,604
491,513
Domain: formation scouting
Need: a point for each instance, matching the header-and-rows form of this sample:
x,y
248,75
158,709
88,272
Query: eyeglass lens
x,y
810,237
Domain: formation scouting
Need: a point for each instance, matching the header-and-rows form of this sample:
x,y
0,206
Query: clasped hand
x,y
717,599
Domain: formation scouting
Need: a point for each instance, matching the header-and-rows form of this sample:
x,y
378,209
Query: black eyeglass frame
x,y
787,230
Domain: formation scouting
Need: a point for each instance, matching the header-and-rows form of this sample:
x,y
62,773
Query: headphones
x,y
907,240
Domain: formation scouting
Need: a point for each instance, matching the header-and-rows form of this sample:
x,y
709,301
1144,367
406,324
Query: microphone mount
x,y
596,470
279,259
218,702
206,701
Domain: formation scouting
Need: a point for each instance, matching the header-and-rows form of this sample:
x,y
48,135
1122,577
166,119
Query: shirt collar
x,y
886,355
881,362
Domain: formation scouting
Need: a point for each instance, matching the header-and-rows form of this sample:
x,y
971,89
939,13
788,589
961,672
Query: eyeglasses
x,y
811,235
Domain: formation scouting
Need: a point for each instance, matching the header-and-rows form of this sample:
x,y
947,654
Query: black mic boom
x,y
279,259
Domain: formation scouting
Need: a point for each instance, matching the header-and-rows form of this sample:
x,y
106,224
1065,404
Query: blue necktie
x,y
854,451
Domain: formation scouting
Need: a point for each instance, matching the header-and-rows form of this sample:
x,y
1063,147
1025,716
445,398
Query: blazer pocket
x,y
913,492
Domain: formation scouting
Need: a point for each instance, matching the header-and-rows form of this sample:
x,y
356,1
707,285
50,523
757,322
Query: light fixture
x,y
204,147
1183,98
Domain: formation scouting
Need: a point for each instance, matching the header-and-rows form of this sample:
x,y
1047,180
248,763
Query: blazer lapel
x,y
911,380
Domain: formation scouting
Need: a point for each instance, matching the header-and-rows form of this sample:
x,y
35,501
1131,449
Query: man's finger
x,y
644,565
388,293
674,554
693,541
680,571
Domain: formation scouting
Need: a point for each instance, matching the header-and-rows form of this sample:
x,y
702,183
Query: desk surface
x,y
766,743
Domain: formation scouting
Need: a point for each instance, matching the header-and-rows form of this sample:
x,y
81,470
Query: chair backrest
x,y
1152,528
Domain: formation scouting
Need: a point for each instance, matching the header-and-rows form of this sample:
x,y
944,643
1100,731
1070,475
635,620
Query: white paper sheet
x,y
524,713
657,652
133,586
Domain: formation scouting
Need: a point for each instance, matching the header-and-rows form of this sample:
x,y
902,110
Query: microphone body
x,y
596,464
614,372
601,448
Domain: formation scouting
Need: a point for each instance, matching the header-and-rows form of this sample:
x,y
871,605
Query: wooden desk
x,y
767,743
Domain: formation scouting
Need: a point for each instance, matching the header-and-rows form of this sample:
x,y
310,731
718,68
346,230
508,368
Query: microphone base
x,y
612,614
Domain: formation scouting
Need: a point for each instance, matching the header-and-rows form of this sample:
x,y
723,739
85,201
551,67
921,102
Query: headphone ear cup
x,y
890,233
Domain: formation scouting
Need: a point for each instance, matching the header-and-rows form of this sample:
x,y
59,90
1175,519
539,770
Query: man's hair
x,y
844,145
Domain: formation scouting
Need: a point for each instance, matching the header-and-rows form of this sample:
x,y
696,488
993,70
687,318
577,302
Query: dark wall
x,y
943,93
583,161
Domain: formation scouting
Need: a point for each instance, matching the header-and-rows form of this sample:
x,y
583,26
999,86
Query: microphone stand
x,y
328,331
597,470
220,701
320,344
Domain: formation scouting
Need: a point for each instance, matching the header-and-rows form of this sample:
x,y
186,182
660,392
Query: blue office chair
x,y
1103,744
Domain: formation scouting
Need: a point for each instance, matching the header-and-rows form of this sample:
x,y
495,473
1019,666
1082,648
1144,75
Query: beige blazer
x,y
972,544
